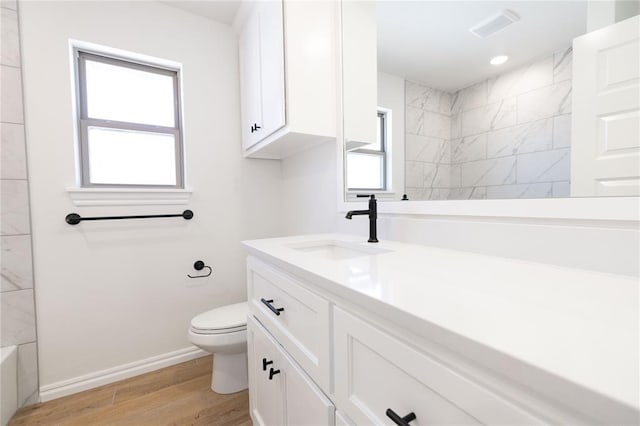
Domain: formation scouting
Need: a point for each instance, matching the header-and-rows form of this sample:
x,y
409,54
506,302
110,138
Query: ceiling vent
x,y
494,24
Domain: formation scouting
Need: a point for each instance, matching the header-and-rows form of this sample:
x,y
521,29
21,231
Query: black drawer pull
x,y
269,305
272,373
400,421
265,363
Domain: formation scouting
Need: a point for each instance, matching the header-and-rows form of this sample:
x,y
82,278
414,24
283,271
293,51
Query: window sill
x,y
128,197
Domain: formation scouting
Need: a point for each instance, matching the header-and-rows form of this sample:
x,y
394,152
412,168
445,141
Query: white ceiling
x,y
430,42
220,10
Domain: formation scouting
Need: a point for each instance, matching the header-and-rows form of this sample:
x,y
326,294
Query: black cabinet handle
x,y
257,127
265,363
268,304
272,373
400,421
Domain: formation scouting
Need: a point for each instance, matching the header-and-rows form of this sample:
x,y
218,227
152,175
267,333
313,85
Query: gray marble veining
x,y
14,207
546,102
534,190
426,149
562,65
562,131
469,148
27,373
498,171
524,79
545,166
489,117
17,317
523,138
16,262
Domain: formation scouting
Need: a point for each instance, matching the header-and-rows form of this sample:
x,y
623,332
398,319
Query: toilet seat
x,y
226,319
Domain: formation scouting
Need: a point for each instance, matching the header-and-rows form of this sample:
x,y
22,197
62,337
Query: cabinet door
x,y
266,402
290,397
272,68
250,80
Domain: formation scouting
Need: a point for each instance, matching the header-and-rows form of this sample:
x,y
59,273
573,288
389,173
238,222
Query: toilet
x,y
223,332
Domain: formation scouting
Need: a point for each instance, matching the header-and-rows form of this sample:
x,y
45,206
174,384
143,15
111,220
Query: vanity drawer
x,y
375,372
296,317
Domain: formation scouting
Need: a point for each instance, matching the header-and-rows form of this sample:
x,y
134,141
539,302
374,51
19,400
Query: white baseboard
x,y
121,372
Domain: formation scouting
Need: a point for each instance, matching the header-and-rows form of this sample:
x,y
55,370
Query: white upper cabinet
x,y
288,73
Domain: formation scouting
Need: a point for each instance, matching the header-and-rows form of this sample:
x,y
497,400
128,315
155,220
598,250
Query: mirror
x,y
491,99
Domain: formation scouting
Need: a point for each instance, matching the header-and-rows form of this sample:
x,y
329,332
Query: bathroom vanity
x,y
345,332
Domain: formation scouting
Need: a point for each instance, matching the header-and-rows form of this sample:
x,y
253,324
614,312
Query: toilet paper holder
x,y
199,266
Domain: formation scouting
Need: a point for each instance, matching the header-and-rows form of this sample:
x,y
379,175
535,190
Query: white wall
x,y
111,293
309,188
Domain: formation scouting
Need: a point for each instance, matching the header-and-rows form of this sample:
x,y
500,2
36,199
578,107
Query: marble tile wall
x,y
509,136
427,134
17,309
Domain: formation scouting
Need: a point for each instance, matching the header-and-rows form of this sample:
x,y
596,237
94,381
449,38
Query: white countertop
x,y
578,325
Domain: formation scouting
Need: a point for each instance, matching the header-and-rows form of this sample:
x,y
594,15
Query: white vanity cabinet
x,y
346,354
287,55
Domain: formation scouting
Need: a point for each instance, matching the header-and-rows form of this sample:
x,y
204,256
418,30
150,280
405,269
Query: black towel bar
x,y
75,218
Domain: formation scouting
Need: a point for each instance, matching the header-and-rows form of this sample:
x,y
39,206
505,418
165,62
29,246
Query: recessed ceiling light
x,y
499,60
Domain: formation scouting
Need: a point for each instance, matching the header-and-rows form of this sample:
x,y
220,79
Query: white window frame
x,y
84,121
384,152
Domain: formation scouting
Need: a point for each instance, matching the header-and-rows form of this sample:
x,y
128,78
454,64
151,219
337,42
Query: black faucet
x,y
373,216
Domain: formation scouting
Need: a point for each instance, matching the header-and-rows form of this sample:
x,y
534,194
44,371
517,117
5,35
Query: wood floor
x,y
177,395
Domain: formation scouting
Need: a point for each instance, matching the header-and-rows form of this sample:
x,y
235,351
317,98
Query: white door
x,y
605,158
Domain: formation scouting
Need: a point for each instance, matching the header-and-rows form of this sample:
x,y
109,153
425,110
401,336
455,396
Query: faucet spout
x,y
352,213
372,212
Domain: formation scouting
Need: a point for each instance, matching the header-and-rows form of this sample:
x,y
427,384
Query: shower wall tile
x,y
489,117
436,125
522,80
436,175
418,194
431,150
562,65
414,174
546,166
455,179
545,102
469,98
428,99
17,271
561,189
475,193
27,373
9,38
18,317
14,207
523,138
414,118
499,171
469,148
534,190
13,164
9,4
562,131
456,126
10,95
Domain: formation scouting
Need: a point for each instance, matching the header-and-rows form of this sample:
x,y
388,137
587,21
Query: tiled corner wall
x,y
17,313
509,136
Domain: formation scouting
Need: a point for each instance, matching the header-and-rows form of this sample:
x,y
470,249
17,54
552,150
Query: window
x,y
128,123
367,165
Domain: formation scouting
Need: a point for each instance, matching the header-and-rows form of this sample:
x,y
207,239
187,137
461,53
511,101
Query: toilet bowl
x,y
223,332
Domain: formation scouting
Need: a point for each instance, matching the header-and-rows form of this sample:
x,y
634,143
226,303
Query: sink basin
x,y
336,250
